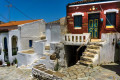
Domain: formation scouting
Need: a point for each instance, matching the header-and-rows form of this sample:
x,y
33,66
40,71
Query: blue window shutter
x,y
78,21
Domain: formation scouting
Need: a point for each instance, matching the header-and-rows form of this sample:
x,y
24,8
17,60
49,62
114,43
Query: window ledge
x,y
77,28
109,26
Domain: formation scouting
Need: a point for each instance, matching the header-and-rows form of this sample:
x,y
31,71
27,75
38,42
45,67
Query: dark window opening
x,y
30,43
78,21
111,19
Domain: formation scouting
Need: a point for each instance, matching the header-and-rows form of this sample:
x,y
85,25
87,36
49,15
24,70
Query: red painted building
x,y
95,17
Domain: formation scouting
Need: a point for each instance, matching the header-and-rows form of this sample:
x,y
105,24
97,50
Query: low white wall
x,y
108,51
25,59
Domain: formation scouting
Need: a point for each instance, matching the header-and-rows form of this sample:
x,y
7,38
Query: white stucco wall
x,y
31,31
2,36
108,50
11,34
39,47
53,32
25,59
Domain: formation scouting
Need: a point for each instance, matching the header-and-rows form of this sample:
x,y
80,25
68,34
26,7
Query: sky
x,y
49,10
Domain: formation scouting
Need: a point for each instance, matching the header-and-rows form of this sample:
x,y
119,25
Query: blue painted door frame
x,y
93,25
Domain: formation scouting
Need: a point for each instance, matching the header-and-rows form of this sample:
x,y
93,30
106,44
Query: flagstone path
x,y
76,72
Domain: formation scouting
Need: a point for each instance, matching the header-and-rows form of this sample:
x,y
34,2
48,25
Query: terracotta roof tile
x,y
15,23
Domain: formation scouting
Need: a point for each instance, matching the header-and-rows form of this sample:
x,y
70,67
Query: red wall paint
x,y
85,9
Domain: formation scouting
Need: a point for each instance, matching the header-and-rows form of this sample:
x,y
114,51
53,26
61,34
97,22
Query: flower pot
x,y
8,65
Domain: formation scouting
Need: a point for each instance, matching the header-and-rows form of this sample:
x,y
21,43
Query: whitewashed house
x,y
18,36
44,49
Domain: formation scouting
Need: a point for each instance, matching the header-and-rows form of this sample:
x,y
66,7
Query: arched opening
x,y
5,50
14,45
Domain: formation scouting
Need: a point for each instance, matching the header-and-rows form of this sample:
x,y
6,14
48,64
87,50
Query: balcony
x,y
76,39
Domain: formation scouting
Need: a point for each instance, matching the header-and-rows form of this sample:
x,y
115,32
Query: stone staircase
x,y
91,54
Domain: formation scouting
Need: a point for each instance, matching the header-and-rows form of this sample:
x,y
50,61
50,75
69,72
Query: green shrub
x,y
15,61
56,68
8,63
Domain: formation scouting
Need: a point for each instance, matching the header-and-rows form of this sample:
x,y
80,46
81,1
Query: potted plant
x,y
12,63
8,63
1,62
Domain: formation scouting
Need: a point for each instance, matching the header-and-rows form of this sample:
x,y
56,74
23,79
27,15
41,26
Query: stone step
x,y
85,58
88,54
85,62
96,40
93,47
95,51
96,43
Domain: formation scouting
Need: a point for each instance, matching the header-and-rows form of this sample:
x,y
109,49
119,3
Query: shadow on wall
x,y
117,52
114,67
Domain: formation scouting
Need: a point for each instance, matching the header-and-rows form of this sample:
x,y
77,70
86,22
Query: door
x,y
94,26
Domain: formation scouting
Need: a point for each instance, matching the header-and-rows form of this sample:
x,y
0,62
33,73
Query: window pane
x,y
78,21
30,43
111,19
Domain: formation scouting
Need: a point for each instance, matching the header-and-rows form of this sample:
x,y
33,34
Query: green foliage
x,y
56,68
14,53
15,61
8,62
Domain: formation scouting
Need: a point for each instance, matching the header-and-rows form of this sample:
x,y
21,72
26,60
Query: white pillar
x,y
10,49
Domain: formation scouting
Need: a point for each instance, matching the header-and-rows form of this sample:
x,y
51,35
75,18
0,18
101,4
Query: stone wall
x,y
40,72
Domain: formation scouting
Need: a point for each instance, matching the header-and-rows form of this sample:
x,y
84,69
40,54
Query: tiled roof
x,y
58,21
88,1
15,23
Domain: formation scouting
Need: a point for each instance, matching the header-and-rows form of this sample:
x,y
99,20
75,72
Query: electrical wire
x,y
6,19
108,20
19,10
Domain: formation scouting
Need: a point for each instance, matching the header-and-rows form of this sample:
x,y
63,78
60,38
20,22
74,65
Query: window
x,y
111,19
30,43
78,21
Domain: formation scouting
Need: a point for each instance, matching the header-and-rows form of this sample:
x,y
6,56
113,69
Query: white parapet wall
x,y
26,57
39,47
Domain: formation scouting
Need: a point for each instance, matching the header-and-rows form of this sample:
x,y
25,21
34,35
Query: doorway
x,y
5,50
71,54
93,25
14,45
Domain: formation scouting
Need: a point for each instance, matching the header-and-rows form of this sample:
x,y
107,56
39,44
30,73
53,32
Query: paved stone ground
x,y
76,72
81,72
13,73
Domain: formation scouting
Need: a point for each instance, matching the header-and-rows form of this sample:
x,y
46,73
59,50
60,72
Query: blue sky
x,y
49,10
